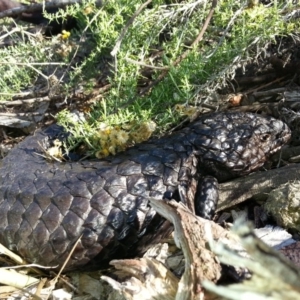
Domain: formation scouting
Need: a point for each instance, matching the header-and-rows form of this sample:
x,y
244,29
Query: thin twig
x,y
67,259
20,114
34,64
29,65
24,101
264,86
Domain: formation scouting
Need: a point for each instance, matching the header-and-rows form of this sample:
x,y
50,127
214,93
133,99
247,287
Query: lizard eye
x,y
265,137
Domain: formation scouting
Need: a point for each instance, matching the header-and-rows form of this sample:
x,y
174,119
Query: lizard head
x,y
236,143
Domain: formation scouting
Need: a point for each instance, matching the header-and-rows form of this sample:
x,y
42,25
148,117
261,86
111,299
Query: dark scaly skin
x,y
45,207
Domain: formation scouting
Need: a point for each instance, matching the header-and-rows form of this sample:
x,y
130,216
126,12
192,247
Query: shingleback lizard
x,y
46,206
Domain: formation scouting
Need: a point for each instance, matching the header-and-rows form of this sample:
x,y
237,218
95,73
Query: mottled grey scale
x,y
23,233
26,197
158,194
45,207
106,236
40,234
173,164
15,214
63,201
89,237
239,166
153,167
33,214
11,191
115,180
51,218
93,182
170,177
102,202
159,152
127,168
141,157
72,224
184,174
234,157
126,202
115,218
137,184
58,238
80,207
94,223
203,130
245,155
178,147
155,183
212,154
45,196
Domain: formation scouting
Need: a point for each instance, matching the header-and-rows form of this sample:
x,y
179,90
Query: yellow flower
x,y
113,138
122,137
185,110
112,150
88,10
102,153
178,107
143,132
150,126
107,131
102,136
190,111
65,34
103,144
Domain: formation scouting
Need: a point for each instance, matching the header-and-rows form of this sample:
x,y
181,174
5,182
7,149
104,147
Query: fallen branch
x,y
241,189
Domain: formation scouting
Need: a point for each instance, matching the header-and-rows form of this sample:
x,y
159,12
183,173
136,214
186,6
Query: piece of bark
x,y
191,235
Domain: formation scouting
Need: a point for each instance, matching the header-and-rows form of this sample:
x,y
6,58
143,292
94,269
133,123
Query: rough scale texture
x,y
46,206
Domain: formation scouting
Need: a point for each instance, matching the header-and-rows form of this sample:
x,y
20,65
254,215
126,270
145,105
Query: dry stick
x,y
240,189
24,101
17,259
37,6
124,30
185,54
55,279
264,86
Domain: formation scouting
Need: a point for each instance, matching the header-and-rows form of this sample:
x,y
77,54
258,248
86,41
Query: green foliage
x,y
158,36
